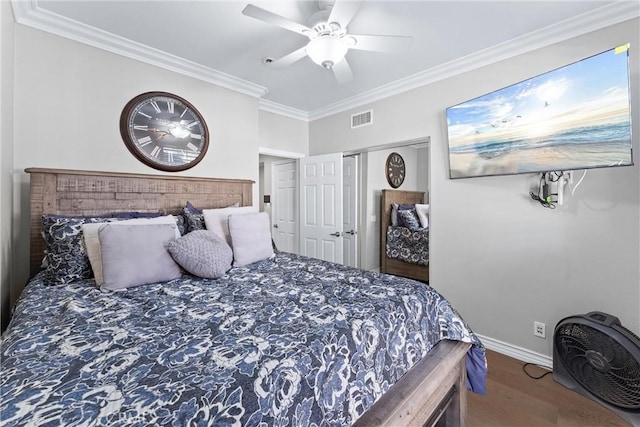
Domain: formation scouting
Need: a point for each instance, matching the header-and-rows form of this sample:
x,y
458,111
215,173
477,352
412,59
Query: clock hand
x,y
177,131
154,130
162,133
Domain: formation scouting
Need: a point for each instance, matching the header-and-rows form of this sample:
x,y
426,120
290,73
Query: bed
x,y
286,340
396,265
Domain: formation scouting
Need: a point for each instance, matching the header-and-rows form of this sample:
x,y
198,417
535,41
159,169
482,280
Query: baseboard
x,y
516,352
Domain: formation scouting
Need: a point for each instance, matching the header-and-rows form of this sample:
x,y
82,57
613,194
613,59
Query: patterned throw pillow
x,y
408,219
65,258
192,208
395,208
202,253
192,221
182,227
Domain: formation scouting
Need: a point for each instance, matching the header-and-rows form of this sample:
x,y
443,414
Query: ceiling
x,y
214,41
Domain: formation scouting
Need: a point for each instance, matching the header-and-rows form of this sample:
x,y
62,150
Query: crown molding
x,y
581,24
283,110
29,14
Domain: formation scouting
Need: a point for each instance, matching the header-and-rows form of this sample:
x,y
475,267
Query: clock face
x,y
164,131
395,170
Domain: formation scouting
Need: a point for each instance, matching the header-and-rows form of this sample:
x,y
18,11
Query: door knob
x,y
275,225
352,232
337,234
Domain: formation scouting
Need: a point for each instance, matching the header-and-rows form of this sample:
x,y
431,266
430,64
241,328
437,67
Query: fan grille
x,y
600,364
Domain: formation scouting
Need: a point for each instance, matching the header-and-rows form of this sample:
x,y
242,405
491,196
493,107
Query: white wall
x,y
69,97
503,260
284,134
6,157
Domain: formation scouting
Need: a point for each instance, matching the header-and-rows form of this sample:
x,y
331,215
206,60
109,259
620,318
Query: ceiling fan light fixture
x,y
327,50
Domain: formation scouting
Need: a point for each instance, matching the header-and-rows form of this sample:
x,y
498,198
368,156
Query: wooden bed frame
x,y
432,392
390,265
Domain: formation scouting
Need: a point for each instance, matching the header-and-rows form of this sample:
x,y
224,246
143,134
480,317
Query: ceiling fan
x,y
329,39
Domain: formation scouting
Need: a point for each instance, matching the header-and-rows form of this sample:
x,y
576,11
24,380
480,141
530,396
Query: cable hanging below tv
x,y
574,117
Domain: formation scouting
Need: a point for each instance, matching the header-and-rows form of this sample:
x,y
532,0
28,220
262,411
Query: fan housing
x,y
594,355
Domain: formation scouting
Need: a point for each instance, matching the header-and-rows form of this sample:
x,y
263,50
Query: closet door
x,y
350,210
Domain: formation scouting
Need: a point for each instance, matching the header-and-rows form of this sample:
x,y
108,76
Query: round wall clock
x,y
395,170
164,131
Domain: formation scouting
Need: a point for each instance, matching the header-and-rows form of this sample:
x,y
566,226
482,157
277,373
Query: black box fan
x,y
594,355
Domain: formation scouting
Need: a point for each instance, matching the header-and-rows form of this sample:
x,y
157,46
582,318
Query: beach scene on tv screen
x,y
574,117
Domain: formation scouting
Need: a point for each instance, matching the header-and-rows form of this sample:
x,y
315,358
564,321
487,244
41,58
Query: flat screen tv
x,y
574,117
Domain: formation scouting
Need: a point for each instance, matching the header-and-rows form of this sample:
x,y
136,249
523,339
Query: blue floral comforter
x,y
408,245
287,341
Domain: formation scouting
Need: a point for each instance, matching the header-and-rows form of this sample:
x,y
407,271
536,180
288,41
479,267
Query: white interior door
x,y
321,207
350,210
284,203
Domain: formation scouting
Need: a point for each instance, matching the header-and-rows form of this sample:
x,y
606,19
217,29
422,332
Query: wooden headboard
x,y
91,193
386,200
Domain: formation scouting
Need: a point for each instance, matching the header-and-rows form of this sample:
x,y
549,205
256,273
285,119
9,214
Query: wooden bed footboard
x,y
432,392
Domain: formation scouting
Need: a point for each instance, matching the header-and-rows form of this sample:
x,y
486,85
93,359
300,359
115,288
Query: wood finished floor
x,y
515,400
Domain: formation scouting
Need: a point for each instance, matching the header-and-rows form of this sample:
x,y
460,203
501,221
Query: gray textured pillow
x,y
202,253
136,254
251,238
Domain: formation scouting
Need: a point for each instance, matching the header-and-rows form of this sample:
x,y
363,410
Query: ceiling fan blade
x,y
381,43
343,12
342,71
272,18
288,59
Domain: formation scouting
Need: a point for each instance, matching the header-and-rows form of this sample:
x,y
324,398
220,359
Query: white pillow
x,y
217,220
136,254
92,241
423,214
251,238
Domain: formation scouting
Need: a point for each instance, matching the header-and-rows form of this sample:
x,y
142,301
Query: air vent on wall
x,y
361,119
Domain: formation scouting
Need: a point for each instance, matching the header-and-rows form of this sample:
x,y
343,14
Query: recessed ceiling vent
x,y
361,119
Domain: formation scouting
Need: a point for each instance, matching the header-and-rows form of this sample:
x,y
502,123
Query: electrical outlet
x,y
539,329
